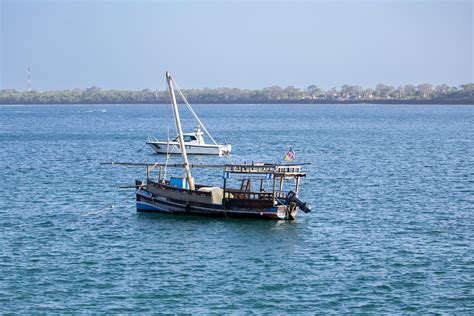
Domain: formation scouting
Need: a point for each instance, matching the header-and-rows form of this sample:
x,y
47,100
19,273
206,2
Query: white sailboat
x,y
194,142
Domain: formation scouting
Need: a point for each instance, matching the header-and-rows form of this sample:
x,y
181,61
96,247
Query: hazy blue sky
x,y
129,44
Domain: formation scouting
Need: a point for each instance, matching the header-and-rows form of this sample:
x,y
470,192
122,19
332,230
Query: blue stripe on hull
x,y
141,206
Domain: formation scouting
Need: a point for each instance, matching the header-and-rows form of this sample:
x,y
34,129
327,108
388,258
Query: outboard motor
x,y
293,197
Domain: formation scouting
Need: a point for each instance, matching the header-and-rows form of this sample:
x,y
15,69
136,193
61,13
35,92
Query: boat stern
x,y
287,212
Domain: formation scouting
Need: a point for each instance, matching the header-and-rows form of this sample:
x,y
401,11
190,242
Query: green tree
x,y
425,90
383,91
314,91
410,90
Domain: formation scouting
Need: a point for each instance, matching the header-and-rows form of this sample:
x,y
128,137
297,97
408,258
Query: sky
x,y
242,44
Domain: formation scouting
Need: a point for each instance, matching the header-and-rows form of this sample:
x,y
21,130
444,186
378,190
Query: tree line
x,y
422,93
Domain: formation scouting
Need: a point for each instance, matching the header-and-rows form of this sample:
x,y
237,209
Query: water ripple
x,y
391,232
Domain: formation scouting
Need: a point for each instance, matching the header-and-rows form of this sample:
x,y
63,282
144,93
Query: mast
x,y
187,170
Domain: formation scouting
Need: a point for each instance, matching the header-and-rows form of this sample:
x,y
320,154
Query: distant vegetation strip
x,y
420,94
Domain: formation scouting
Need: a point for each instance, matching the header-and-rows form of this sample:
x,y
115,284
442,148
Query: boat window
x,y
188,138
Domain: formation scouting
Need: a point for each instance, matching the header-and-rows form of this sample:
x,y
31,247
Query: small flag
x,y
290,155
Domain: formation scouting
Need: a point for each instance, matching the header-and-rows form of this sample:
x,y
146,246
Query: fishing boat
x,y
194,141
249,190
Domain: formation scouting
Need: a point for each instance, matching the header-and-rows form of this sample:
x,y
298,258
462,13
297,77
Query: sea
x,y
391,229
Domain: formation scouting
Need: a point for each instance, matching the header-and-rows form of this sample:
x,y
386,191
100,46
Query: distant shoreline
x,y
382,94
289,102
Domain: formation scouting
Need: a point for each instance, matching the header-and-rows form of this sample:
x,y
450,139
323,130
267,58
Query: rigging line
x,y
174,118
176,86
168,150
168,155
100,210
228,156
166,161
192,111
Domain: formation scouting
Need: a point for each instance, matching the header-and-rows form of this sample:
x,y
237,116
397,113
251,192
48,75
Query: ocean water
x,y
392,227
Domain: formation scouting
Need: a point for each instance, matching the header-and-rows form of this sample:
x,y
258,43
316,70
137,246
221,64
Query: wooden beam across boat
x,y
288,170
180,165
152,164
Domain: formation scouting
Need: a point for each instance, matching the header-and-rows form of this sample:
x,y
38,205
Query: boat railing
x,y
281,194
249,168
152,139
246,195
277,170
288,169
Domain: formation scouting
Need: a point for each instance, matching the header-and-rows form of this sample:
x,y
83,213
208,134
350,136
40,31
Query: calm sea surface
x,y
392,227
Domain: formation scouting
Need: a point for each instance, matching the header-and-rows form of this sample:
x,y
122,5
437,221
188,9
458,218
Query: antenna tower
x,y
29,79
